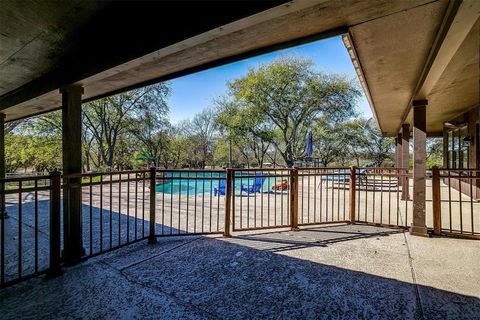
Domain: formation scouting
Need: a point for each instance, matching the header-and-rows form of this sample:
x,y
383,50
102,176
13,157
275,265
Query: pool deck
x,y
338,271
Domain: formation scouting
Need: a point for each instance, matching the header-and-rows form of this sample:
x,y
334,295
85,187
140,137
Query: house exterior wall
x,y
455,151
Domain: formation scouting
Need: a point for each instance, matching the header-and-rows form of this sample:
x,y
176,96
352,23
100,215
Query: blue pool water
x,y
205,182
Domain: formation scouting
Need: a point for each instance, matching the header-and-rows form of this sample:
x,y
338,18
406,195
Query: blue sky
x,y
195,92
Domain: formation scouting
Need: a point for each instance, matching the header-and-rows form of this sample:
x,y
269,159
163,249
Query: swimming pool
x,y
205,182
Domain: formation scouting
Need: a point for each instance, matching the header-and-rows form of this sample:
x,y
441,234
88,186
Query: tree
x,y
38,153
243,132
370,140
107,119
202,130
176,152
11,125
151,130
330,140
434,152
282,100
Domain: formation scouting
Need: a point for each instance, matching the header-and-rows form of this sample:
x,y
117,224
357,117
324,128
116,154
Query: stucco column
x,y
72,164
3,212
398,153
405,158
419,169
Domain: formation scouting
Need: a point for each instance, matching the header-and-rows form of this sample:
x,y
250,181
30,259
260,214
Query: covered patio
x,y
334,243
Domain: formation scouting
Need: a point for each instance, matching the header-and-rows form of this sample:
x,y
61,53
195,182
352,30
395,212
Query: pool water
x,y
205,182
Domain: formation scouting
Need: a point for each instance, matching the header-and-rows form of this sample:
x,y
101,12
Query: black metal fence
x,y
115,208
29,227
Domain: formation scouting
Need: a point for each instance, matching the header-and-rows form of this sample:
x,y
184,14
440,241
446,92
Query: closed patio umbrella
x,y
309,148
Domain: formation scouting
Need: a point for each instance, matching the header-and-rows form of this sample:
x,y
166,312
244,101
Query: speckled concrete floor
x,y
340,272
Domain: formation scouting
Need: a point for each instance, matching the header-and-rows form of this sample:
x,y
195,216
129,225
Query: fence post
x,y
55,199
228,202
294,199
352,189
436,201
153,175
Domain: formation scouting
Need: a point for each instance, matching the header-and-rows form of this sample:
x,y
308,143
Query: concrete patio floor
x,y
338,271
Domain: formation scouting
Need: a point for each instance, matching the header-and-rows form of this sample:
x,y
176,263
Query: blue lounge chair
x,y
257,185
220,189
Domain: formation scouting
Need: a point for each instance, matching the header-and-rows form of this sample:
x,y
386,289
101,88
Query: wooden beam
x,y
398,154
3,212
405,159
419,168
72,164
2,145
398,150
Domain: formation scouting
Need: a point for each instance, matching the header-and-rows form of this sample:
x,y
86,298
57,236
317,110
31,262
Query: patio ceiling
x,y
109,48
426,52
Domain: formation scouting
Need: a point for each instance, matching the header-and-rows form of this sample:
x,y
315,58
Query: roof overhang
x,y
428,52
167,40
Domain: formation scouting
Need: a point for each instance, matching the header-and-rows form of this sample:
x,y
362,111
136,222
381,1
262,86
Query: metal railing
x,y
120,208
323,195
308,196
115,208
261,198
29,227
455,202
188,202
380,197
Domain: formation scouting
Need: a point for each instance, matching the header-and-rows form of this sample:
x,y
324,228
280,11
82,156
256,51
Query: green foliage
x,y
42,154
330,141
434,152
279,102
108,121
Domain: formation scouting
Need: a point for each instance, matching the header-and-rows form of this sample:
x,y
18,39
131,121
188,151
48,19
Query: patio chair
x,y
257,185
220,189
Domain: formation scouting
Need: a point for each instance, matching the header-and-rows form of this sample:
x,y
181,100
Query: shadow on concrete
x,y
317,236
102,230
207,278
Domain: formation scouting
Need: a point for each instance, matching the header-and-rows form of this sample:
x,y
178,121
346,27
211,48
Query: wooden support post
x,y
3,211
398,154
228,202
446,155
72,164
405,160
294,199
436,201
55,199
153,204
419,169
353,187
